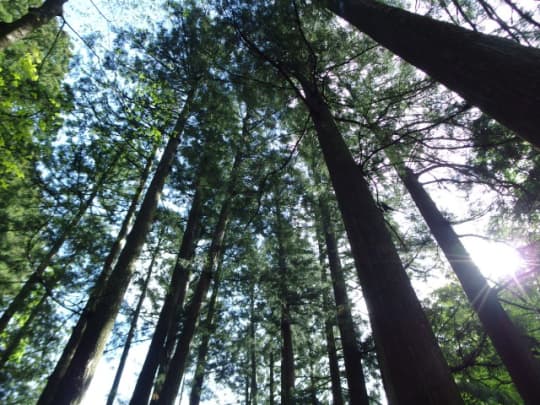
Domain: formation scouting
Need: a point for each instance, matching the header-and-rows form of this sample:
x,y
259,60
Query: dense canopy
x,y
260,202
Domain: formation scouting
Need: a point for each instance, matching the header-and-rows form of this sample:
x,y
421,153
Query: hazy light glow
x,y
496,260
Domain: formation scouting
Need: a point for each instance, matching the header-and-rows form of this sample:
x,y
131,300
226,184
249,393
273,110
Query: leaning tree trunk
x,y
35,18
207,328
133,326
176,367
510,344
411,361
497,75
68,384
78,331
173,302
352,355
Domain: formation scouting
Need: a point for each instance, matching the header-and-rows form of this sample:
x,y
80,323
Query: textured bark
x,y
510,344
35,18
412,364
173,301
97,291
132,327
177,364
68,385
252,347
497,75
352,355
207,328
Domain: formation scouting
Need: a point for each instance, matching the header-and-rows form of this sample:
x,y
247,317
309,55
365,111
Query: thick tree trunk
x,y
337,395
412,364
97,291
508,341
68,385
35,18
349,339
178,361
174,301
497,75
207,329
133,327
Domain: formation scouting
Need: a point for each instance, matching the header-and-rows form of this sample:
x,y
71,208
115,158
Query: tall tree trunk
x,y
252,346
510,344
173,302
133,326
349,337
68,385
97,291
177,364
287,350
35,18
207,329
271,382
497,75
412,364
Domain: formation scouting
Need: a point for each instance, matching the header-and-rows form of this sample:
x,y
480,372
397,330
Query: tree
x,y
11,32
493,72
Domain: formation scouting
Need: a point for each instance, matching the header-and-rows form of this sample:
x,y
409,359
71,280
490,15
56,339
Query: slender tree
x,y
133,324
191,312
508,340
68,384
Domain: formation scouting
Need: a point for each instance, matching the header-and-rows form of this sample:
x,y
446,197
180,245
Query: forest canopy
x,y
260,202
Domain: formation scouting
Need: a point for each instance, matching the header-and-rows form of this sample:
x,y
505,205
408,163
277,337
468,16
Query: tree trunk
x,y
271,382
287,350
252,346
497,75
412,364
349,338
177,364
97,291
510,344
207,329
133,326
35,18
67,386
173,302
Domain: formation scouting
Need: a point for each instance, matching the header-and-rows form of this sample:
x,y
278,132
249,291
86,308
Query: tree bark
x,y
97,291
207,328
352,355
510,344
173,302
177,364
287,350
35,18
68,385
133,326
412,364
497,75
